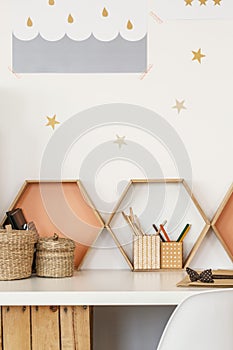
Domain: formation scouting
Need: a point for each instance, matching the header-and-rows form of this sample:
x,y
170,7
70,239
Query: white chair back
x,y
201,322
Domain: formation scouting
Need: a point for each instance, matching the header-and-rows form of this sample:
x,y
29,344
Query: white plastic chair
x,y
201,322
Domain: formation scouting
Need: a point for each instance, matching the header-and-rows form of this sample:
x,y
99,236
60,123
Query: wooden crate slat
x,y
16,327
67,328
82,326
1,344
45,328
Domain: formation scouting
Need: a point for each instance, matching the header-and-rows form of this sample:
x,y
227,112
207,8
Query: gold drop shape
x,y
70,19
129,25
51,2
29,22
105,12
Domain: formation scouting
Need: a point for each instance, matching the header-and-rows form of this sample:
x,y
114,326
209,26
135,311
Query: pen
x,y
183,233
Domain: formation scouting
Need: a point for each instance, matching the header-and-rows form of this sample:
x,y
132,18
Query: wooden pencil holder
x,y
171,254
146,252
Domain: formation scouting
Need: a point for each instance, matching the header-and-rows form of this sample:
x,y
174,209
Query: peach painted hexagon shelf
x,y
222,223
154,201
62,207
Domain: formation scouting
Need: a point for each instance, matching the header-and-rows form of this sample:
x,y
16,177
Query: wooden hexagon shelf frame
x,y
201,236
222,222
63,207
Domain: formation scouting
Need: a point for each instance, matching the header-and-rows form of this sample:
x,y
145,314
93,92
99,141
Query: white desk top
x,y
98,287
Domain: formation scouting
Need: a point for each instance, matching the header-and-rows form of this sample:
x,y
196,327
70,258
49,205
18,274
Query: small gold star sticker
x,y
52,121
179,105
120,141
202,2
188,2
197,55
217,2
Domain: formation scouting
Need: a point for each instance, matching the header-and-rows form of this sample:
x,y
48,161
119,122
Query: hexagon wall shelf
x,y
152,200
222,223
62,207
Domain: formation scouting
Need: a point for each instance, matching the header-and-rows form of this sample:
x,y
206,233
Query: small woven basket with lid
x,y
55,257
16,253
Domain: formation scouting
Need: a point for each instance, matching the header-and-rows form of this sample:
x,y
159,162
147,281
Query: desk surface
x,y
98,287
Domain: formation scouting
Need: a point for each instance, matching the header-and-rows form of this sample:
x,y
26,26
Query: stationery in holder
x,y
16,219
146,252
171,255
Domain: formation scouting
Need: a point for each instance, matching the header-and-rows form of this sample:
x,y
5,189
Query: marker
x,y
184,233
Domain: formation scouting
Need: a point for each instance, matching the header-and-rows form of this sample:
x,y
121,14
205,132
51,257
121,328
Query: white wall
x,y
205,127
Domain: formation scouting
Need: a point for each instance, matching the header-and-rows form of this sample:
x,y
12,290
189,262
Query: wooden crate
x,y
45,327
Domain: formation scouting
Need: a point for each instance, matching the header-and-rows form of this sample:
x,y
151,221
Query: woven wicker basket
x,y
55,257
16,253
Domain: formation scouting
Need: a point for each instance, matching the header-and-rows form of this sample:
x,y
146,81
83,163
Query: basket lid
x,y
55,243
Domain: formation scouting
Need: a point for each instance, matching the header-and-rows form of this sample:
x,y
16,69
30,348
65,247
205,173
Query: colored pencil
x,y
187,230
187,227
165,233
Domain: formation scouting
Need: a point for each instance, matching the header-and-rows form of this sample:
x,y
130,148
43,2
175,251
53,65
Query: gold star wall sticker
x,y
188,2
179,106
217,2
202,2
120,141
52,121
197,55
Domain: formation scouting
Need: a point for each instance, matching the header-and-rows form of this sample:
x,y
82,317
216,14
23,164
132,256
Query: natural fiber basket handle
x,y
8,228
55,237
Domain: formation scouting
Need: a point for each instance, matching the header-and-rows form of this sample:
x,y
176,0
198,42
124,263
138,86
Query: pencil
x,y
165,233
127,219
183,233
158,233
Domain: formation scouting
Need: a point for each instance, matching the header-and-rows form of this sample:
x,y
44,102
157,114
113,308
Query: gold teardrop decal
x,y
29,22
70,19
129,25
105,12
51,2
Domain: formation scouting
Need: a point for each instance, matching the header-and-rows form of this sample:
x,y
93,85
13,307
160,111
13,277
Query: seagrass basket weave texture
x,y
55,257
16,253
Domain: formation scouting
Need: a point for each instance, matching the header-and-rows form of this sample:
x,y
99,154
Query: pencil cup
x,y
146,252
171,255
